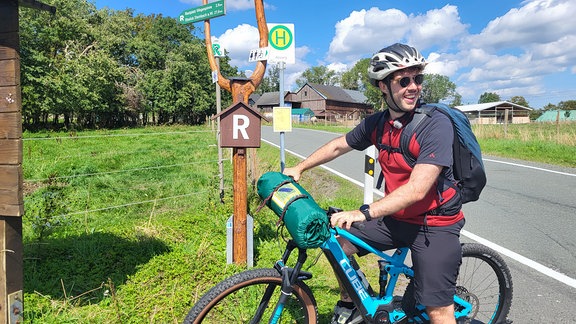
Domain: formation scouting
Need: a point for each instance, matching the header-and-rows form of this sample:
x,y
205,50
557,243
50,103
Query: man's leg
x,y
441,315
436,257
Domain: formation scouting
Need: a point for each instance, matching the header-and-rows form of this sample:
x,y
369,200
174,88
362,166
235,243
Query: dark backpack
x,y
467,164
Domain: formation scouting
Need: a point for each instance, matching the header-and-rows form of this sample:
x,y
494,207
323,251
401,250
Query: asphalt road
x,y
527,212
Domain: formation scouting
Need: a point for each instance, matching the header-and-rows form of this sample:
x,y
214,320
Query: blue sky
x,y
513,48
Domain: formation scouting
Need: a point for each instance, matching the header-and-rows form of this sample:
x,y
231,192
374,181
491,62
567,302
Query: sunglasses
x,y
405,81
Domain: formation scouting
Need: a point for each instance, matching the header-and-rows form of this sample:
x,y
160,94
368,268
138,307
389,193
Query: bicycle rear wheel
x,y
485,281
236,300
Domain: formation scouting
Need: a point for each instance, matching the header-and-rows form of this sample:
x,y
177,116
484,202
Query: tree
x,y
567,105
357,79
319,75
271,82
437,88
488,97
519,100
457,101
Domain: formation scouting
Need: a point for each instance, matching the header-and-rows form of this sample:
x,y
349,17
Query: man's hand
x,y
345,219
294,172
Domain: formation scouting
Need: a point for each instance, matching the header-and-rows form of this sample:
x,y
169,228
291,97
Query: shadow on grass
x,y
83,267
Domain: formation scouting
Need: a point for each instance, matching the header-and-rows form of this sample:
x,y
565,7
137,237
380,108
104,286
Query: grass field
x,y
127,226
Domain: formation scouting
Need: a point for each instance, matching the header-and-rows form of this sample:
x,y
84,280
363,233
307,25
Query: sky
x,y
512,48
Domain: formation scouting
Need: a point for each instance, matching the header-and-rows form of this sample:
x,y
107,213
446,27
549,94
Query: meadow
x,y
128,226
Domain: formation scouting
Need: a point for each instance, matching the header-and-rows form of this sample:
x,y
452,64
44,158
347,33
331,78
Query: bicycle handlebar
x,y
334,210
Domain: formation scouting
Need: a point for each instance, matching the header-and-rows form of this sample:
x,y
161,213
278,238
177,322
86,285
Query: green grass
x,y
127,226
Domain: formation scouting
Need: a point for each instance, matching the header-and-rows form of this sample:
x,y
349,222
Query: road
x,y
527,212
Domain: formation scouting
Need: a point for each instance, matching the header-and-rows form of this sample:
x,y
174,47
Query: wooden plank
x,y
10,125
10,151
9,176
8,47
9,72
10,99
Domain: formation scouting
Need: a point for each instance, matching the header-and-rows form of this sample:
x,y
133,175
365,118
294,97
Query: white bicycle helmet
x,y
393,58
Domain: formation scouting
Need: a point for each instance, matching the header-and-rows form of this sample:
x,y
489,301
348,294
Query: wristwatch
x,y
365,209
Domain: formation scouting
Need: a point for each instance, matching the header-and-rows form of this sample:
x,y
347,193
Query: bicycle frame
x,y
373,307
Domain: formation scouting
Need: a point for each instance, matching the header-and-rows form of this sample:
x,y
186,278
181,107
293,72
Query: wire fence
x,y
101,168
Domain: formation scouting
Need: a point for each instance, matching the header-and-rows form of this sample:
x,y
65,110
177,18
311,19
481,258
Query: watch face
x,y
364,207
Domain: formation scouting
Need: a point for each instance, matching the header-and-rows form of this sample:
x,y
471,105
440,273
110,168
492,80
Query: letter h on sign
x,y
239,126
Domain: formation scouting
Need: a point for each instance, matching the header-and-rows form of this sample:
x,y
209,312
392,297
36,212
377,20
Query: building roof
x,y
269,99
491,105
302,111
561,115
338,94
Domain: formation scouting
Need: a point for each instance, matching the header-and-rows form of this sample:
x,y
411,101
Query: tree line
x,y
89,68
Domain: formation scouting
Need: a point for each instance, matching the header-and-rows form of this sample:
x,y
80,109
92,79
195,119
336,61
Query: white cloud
x,y
239,42
537,22
360,34
437,27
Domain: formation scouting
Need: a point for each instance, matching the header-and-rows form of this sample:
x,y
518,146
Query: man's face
x,y
406,86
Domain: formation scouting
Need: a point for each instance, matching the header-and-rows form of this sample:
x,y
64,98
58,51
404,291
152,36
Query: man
x,y
420,209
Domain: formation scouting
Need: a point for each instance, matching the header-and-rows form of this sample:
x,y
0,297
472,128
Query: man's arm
x,y
422,178
325,153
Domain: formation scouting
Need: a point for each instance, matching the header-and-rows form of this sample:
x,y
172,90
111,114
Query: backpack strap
x,y
408,131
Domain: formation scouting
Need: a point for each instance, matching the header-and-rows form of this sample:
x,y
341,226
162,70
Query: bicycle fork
x,y
289,276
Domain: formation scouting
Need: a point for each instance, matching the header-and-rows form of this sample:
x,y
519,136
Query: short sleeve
x,y
435,141
362,136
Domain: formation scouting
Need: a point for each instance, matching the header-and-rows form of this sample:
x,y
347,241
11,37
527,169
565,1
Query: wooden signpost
x,y
241,89
11,181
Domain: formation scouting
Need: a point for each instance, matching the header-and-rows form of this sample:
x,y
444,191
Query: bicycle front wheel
x,y
485,281
238,298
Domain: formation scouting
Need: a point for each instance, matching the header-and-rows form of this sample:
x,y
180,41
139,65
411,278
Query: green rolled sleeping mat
x,y
303,218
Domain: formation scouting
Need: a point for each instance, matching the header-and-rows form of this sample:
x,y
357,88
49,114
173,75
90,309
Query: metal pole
x,y
218,110
281,66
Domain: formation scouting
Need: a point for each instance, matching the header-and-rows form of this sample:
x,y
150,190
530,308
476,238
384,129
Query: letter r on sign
x,y
240,123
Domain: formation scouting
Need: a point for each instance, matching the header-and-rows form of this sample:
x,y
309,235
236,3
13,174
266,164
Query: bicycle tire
x,y
236,299
485,280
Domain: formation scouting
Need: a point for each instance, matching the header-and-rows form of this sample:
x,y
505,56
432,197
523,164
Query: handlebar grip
x,y
333,210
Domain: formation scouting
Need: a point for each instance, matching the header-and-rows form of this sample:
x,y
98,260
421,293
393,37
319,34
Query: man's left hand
x,y
345,219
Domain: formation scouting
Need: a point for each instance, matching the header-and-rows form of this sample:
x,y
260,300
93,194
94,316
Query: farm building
x,y
496,113
558,115
326,102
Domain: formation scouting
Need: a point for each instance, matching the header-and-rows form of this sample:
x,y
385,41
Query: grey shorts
x,y
436,254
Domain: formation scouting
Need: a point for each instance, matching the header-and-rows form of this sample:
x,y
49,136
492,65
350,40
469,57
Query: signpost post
x,y
11,179
219,51
282,51
241,89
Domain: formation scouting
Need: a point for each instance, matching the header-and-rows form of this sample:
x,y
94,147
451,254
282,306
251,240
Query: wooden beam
x,y
37,5
11,200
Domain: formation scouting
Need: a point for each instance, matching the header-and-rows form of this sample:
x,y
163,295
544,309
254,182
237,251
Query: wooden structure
x,y
499,112
241,89
327,102
11,198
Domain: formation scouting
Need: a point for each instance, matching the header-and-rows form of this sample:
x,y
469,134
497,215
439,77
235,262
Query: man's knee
x,y
348,247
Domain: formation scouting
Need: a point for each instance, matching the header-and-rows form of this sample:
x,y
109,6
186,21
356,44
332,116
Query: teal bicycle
x,y
280,294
